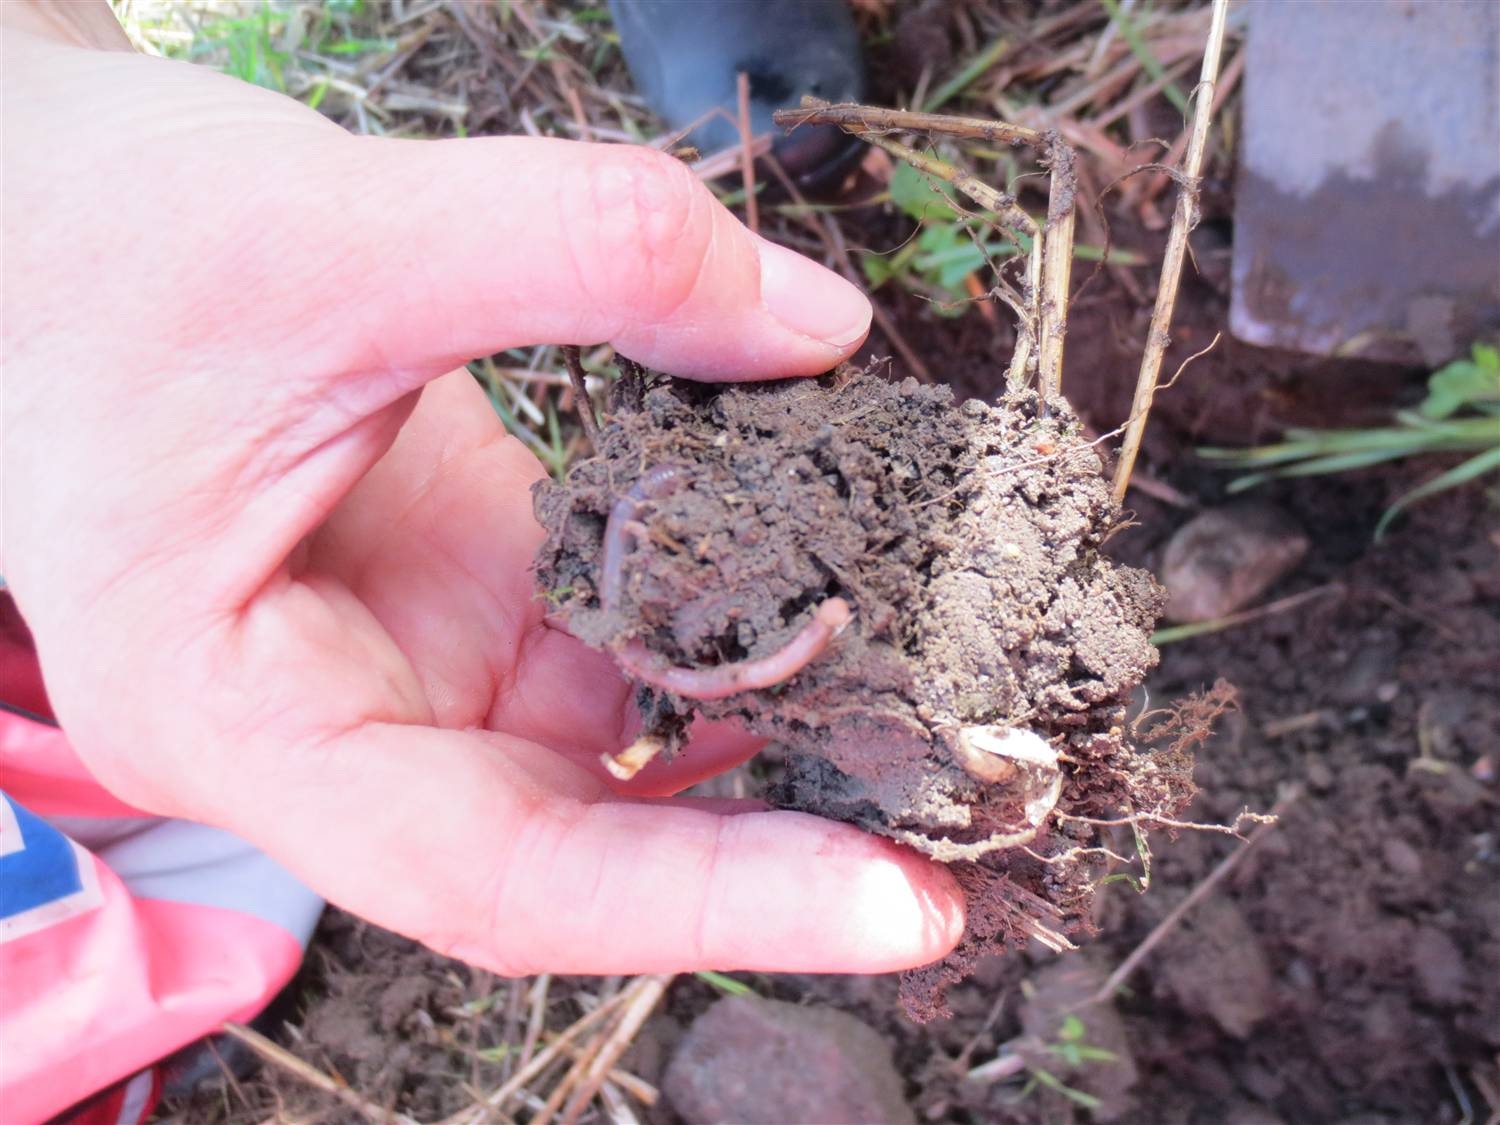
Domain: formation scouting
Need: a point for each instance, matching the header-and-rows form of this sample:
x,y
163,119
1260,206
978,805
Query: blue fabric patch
x,y
43,871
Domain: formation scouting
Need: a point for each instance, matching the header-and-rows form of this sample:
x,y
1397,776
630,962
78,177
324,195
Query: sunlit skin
x,y
274,544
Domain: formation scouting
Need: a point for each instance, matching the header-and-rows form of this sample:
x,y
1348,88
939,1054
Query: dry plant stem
x,y
1057,266
1039,340
1184,218
279,1056
616,1107
1215,877
862,120
1245,616
555,1047
1233,70
646,995
567,1083
726,160
573,359
1010,213
747,156
536,1020
829,232
638,1088
1014,219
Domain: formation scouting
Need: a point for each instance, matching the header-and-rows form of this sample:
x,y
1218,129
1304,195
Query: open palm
x,y
277,562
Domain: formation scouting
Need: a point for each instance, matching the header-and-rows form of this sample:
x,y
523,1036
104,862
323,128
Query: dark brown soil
x,y
965,540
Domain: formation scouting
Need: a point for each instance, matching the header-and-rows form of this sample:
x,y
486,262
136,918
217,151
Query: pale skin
x,y
274,544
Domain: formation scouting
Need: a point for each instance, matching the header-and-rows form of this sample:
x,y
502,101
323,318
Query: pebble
x,y
1401,858
1439,967
1224,558
754,1061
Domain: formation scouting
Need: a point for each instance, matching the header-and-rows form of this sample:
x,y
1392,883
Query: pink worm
x,y
744,675
723,679
656,484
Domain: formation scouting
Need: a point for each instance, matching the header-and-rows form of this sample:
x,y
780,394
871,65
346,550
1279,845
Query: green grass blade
x,y
1142,51
1336,463
971,73
727,985
1389,443
1053,1082
1472,469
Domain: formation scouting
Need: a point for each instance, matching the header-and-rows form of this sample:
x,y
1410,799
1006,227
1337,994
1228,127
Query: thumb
x,y
465,248
493,849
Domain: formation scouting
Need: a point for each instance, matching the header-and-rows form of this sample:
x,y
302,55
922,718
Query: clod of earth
x,y
907,595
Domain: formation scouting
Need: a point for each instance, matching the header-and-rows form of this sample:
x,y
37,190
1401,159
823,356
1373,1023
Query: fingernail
x,y
811,300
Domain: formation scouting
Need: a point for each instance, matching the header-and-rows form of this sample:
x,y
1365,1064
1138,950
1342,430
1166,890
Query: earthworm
x,y
745,675
654,484
723,679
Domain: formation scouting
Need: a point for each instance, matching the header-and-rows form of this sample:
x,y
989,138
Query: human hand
x,y
280,587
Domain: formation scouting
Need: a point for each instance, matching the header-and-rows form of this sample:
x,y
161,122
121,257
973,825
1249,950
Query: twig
x,y
536,1021
827,228
581,401
637,1087
473,1115
1184,218
863,120
1057,265
648,992
1049,261
279,1056
546,378
1096,58
1195,896
747,157
726,160
1173,633
1231,76
616,1107
1010,213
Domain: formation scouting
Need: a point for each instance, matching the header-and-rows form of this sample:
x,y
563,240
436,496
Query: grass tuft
x,y
1461,414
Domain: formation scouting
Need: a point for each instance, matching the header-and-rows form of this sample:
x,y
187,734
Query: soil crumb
x,y
973,652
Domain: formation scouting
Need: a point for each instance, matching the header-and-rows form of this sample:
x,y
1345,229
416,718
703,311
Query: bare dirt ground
x,y
1346,968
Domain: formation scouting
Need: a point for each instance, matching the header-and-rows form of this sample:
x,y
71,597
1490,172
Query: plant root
x,y
634,758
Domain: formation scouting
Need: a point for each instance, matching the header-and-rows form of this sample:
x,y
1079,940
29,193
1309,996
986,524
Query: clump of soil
x,y
713,524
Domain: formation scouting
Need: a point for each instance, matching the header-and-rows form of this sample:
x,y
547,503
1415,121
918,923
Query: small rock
x,y
1224,558
1360,680
1401,858
1319,775
1215,964
1439,967
753,1061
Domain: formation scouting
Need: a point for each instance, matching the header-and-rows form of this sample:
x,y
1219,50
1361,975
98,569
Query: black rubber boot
x,y
685,55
